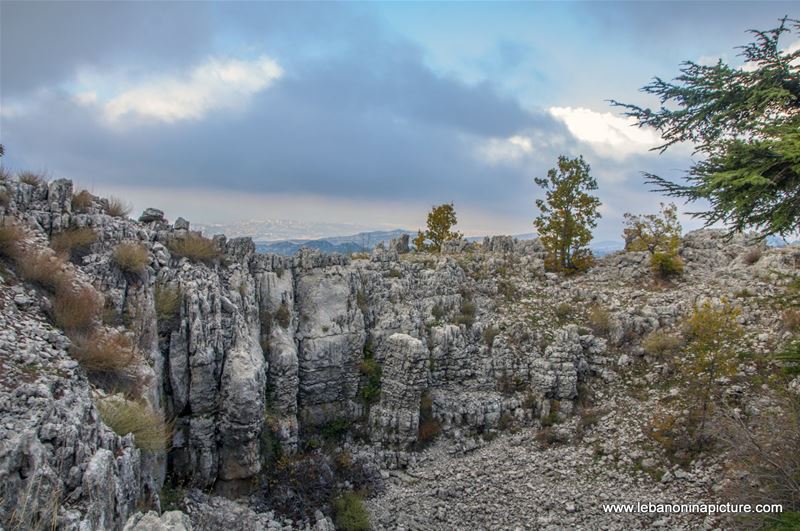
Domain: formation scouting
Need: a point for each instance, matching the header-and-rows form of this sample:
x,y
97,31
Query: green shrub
x,y
371,390
489,333
167,300
150,431
33,179
438,311
131,257
82,201
116,207
76,309
350,513
5,198
74,243
666,265
196,248
661,344
282,316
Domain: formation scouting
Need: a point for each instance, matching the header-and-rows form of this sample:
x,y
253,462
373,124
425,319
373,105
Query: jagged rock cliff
x,y
269,345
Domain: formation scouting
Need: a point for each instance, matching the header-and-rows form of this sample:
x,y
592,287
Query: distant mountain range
x,y
286,237
355,243
366,241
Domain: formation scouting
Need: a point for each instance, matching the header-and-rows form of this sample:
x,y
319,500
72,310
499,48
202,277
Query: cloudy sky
x,y
361,113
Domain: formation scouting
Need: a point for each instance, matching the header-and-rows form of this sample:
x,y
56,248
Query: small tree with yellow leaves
x,y
440,220
568,215
712,333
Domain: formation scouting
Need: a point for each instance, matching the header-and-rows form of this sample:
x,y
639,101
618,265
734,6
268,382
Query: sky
x,y
361,113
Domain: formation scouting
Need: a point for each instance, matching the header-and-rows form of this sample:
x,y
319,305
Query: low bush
x,y
33,179
563,311
371,389
467,315
489,333
131,257
10,237
752,256
282,316
44,269
661,344
5,198
82,202
195,247
429,427
167,303
150,431
74,243
791,319
116,207
76,308
666,266
599,320
350,513
104,352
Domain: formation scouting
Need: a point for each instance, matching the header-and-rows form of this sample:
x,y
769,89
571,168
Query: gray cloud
x,y
42,42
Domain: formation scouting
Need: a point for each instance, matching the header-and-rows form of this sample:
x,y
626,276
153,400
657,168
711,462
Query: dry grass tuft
x,y
44,269
131,257
150,431
104,352
33,179
77,309
599,320
196,248
73,242
10,237
82,201
116,207
662,345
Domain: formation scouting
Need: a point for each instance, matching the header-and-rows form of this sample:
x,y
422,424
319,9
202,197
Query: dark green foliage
x,y
371,389
569,213
336,429
350,513
745,125
788,521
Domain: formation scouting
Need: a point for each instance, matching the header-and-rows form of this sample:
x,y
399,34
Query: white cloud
x,y
607,134
501,150
215,84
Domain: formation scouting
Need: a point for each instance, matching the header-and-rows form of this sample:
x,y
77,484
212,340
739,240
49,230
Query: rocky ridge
x,y
476,340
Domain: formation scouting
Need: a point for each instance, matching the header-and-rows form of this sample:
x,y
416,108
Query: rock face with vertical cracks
x,y
395,420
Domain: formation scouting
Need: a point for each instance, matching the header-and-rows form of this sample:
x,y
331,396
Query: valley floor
x,y
519,482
